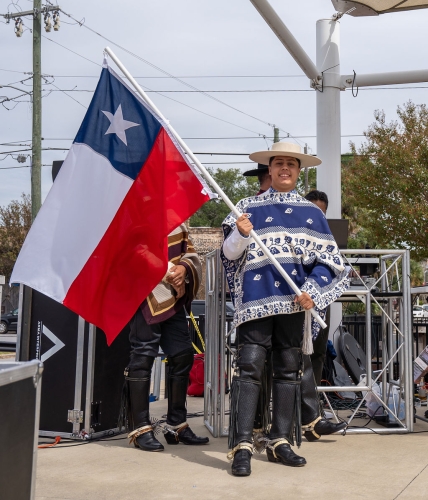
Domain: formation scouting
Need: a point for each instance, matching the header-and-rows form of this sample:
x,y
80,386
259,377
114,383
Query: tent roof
x,y
375,7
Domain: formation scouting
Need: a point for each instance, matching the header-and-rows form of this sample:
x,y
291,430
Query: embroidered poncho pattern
x,y
296,232
162,302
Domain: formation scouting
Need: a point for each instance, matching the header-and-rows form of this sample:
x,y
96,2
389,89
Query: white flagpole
x,y
210,180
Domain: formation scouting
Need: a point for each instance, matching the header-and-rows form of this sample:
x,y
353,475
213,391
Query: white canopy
x,y
375,7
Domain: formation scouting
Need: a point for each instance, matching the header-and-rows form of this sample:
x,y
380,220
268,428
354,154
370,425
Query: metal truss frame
x,y
394,284
396,339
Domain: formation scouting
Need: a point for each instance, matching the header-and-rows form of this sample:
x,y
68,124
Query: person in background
x,y
262,173
161,321
320,199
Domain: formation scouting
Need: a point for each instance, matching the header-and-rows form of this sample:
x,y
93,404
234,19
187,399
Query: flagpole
x,y
211,181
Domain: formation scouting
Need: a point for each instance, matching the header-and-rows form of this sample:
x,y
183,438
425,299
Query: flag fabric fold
x,y
99,242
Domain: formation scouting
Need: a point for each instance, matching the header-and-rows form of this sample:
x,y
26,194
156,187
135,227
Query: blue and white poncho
x,y
296,232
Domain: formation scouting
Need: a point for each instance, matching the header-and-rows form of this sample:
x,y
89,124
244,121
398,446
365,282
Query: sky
x,y
223,46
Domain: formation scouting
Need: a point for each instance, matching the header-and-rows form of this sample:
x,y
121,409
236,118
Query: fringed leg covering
x,y
314,423
310,398
286,397
178,381
123,420
262,420
134,410
246,385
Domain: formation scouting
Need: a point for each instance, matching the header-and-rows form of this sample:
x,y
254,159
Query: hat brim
x,y
305,160
256,171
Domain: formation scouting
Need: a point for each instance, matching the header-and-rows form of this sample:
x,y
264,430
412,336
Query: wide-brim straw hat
x,y
256,171
285,149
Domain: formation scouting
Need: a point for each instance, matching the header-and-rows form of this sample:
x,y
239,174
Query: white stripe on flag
x,y
73,219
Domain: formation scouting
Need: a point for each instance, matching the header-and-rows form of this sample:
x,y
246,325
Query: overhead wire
x,y
169,74
167,97
64,92
249,91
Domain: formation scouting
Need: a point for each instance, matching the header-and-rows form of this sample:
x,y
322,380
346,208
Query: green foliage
x,y
385,186
416,273
15,221
235,185
312,181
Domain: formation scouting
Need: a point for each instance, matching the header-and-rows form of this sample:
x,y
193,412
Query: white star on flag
x,y
118,125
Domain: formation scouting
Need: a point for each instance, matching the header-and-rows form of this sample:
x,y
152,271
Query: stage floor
x,y
381,467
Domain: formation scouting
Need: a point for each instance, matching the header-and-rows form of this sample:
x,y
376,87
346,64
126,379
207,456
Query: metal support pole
x,y
408,341
287,39
328,115
328,129
36,161
391,78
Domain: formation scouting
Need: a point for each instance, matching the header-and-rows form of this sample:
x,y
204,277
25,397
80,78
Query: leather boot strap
x,y
139,432
177,430
311,427
241,446
277,443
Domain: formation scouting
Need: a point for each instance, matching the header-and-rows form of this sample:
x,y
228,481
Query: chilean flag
x,y
99,242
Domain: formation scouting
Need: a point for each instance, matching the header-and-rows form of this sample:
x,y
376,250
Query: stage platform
x,y
381,467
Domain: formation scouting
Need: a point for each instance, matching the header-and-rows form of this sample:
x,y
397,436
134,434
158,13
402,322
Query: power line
x,y
70,50
29,149
189,76
208,91
241,91
169,74
64,92
14,143
167,97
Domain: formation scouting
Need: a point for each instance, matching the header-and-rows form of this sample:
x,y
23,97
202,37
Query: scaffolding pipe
x,y
390,78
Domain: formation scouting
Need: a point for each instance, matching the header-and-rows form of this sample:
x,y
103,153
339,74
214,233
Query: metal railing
x,y
387,342
218,354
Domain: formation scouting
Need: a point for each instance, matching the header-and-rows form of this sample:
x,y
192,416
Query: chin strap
x,y
311,427
241,446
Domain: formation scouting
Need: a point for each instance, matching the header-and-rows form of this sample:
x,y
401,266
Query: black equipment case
x,y
83,377
20,388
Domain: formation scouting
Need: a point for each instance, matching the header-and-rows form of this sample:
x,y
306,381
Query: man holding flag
x,y
269,314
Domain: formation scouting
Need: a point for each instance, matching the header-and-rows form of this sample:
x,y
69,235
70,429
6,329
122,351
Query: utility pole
x,y
36,157
36,160
305,149
275,134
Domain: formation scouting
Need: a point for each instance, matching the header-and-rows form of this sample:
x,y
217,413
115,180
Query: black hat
x,y
261,169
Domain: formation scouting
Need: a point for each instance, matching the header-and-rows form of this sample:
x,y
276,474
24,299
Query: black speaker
x,y
83,376
56,165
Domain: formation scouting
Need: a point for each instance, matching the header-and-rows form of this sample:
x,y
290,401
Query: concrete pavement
x,y
378,467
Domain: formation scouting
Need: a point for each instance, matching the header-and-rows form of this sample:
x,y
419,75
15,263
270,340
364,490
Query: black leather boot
x,y
241,465
313,422
283,454
142,435
322,427
243,404
286,401
178,381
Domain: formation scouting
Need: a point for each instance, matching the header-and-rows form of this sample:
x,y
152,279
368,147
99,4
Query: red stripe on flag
x,y
131,258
